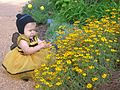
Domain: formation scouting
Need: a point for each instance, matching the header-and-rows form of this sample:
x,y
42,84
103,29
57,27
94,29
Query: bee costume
x,y
16,62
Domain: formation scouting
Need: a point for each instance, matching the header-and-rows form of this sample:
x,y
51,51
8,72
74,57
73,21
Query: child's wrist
x,y
38,47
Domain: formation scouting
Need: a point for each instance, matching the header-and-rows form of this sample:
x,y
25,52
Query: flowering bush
x,y
52,33
85,58
71,10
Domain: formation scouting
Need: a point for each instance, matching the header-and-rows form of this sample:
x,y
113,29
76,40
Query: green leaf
x,y
64,5
66,0
57,2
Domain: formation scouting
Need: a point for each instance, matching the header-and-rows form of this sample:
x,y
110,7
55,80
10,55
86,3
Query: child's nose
x,y
32,31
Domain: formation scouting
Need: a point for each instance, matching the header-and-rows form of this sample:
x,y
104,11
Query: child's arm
x,y
29,50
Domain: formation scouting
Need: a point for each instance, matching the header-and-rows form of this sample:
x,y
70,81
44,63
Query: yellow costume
x,y
17,62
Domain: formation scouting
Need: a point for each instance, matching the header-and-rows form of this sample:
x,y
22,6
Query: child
x,y
30,52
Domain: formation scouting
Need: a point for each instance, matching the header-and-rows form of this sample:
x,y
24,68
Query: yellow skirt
x,y
16,63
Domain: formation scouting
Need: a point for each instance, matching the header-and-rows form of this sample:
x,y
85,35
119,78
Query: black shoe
x,y
25,79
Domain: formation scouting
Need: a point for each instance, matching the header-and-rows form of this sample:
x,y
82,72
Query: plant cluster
x,y
85,58
87,35
40,10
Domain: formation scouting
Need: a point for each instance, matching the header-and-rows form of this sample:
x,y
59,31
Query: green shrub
x,y
82,9
85,58
70,10
40,15
53,29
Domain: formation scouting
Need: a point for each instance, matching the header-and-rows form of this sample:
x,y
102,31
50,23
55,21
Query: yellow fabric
x,y
24,38
16,62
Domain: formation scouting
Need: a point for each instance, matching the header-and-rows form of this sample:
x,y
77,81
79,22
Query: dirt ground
x,y
8,11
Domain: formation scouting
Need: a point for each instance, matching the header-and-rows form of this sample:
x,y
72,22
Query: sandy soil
x,y
8,11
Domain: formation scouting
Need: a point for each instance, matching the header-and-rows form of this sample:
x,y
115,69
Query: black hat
x,y
22,20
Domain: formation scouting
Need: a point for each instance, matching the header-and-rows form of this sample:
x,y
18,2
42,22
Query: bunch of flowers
x,y
85,58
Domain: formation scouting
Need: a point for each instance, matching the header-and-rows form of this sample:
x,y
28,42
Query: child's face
x,y
29,30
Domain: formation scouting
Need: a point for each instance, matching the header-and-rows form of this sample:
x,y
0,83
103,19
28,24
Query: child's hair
x,y
22,20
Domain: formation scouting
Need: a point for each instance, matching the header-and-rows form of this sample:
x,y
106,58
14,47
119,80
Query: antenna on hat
x,y
19,16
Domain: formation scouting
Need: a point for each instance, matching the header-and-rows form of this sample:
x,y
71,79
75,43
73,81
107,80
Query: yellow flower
x,y
115,40
60,32
107,10
50,85
76,22
43,65
81,55
48,56
112,13
94,79
107,60
47,83
58,83
59,62
91,67
87,60
113,16
65,43
68,62
89,85
91,45
76,48
67,53
88,40
113,50
113,22
109,46
104,75
37,86
80,70
44,73
84,74
95,60
42,7
113,9
62,27
46,68
117,60
35,70
103,39
68,77
29,6
42,79
58,69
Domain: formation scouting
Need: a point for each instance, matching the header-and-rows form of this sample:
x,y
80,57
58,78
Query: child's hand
x,y
48,45
41,41
43,44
